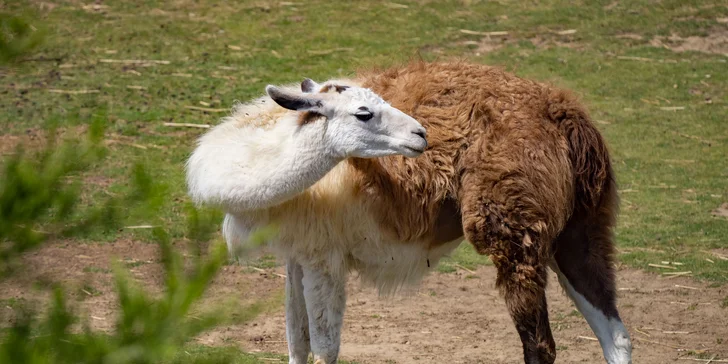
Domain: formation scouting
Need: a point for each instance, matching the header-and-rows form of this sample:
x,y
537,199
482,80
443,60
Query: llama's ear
x,y
309,86
293,101
331,87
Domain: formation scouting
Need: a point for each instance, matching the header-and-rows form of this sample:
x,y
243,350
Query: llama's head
x,y
358,123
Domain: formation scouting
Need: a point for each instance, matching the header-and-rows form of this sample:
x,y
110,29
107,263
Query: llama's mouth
x,y
414,150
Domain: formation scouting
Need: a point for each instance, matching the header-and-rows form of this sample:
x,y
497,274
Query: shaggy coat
x,y
514,166
517,165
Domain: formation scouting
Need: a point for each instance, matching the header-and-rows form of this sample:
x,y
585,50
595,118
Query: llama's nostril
x,y
421,133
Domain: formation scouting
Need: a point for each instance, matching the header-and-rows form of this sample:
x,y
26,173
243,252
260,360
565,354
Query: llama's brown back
x,y
456,102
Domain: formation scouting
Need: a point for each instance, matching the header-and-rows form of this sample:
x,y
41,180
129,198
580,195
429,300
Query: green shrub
x,y
147,330
37,203
17,37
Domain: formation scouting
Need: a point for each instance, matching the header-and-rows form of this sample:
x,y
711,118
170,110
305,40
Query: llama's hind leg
x,y
503,233
583,263
524,291
522,280
514,198
325,303
297,331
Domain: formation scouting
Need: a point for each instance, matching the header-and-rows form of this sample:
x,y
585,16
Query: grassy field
x,y
653,73
202,354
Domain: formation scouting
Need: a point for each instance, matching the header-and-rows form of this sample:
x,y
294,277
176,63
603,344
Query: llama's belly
x,y
392,265
340,248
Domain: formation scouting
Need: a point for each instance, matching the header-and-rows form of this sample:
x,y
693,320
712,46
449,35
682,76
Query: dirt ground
x,y
454,318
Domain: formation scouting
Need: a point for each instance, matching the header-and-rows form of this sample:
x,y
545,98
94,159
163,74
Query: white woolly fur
x,y
262,167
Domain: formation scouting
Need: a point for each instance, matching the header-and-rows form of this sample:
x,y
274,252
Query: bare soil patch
x,y
33,139
85,272
721,211
542,40
460,318
716,42
455,318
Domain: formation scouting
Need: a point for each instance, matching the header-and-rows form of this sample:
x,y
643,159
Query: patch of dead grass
x,y
632,36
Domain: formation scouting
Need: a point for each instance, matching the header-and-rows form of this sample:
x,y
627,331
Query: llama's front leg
x,y
325,303
297,333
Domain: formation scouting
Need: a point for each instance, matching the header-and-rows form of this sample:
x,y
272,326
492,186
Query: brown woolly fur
x,y
308,117
516,167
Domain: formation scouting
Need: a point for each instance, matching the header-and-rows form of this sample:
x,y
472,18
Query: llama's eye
x,y
364,116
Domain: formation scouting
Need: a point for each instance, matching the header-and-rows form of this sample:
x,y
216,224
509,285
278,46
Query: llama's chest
x,y
307,227
334,226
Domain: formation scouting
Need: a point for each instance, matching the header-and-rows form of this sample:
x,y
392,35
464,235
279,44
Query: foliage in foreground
x,y
38,204
39,201
17,37
148,329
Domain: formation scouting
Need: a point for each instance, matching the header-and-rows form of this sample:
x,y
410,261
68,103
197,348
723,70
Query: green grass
x,y
200,354
464,256
671,165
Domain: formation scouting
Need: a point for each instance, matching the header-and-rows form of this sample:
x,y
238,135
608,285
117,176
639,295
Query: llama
x,y
385,173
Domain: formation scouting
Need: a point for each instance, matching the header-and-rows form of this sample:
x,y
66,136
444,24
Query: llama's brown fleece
x,y
510,163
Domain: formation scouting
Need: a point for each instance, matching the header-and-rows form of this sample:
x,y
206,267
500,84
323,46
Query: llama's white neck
x,y
250,168
304,159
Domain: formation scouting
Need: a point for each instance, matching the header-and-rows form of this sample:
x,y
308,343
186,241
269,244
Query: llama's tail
x,y
595,186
